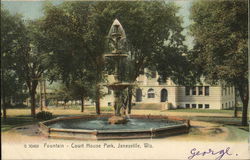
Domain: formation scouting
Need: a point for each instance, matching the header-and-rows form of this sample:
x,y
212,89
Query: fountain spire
x,y
116,28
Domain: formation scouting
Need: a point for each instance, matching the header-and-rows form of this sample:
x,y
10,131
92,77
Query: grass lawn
x,y
203,111
16,121
103,109
227,121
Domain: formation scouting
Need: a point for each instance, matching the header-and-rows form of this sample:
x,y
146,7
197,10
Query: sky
x,y
29,9
32,9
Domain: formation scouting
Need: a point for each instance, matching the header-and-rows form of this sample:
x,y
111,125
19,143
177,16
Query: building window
x,y
193,90
187,91
109,91
226,105
206,90
206,105
229,104
151,93
138,97
193,105
199,105
225,91
200,92
222,106
187,105
164,95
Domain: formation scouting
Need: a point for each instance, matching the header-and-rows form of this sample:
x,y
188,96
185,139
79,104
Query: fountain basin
x,y
97,128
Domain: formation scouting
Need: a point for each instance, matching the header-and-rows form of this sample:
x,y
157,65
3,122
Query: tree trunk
x,y
82,106
64,106
4,108
27,103
3,95
130,94
235,111
243,92
244,113
44,92
235,105
33,104
32,85
41,95
97,101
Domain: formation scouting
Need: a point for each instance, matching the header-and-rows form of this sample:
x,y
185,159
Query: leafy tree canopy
x,y
220,29
13,41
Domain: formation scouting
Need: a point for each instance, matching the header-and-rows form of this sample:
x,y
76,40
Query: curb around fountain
x,y
95,134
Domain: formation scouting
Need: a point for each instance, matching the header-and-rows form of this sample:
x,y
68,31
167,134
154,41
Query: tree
x,y
13,40
77,35
62,93
75,44
171,62
148,26
81,90
220,29
31,60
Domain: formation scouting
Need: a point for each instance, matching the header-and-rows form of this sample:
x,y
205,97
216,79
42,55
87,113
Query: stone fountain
x,y
98,127
116,43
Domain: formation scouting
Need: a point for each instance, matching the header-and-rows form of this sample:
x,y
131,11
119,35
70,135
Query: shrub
x,y
44,115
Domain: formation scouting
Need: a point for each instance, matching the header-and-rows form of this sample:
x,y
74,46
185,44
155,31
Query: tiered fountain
x,y
116,42
114,126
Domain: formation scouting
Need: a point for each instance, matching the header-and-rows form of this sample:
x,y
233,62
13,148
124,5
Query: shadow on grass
x,y
229,121
11,122
217,119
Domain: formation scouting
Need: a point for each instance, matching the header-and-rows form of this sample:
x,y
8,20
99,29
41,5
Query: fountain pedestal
x,y
118,118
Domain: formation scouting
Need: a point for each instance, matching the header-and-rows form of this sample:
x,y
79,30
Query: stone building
x,y
149,92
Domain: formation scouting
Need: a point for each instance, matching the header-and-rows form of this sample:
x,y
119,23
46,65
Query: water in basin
x,y
102,124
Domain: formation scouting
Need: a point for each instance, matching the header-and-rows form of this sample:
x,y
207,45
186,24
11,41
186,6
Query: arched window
x,y
164,95
138,95
151,93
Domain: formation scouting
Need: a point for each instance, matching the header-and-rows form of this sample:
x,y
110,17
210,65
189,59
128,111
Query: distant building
x,y
169,95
